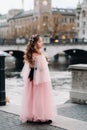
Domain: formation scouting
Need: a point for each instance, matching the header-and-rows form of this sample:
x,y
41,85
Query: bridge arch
x,y
73,56
18,56
75,51
77,56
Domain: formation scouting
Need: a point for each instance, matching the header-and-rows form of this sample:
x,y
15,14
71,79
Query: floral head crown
x,y
32,37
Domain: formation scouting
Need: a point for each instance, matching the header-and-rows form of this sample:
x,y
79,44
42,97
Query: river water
x,y
61,82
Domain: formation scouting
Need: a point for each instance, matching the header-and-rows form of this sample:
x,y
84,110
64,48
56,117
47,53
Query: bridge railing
x,y
66,43
47,44
11,42
60,43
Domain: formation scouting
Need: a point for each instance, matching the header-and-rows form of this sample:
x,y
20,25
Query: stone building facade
x,y
44,20
3,26
81,20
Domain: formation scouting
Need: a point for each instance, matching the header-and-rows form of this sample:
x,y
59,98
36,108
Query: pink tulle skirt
x,y
38,102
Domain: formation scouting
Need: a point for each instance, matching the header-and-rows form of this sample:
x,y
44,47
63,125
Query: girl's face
x,y
39,43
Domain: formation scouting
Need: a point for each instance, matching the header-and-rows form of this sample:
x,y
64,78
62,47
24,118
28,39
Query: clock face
x,y
37,2
45,2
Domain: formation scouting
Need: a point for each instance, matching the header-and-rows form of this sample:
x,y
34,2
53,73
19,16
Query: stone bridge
x,y
50,50
65,53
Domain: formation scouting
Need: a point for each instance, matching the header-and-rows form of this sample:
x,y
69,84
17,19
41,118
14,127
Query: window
x,y
65,20
62,20
45,18
83,31
77,24
57,19
36,18
83,13
71,20
78,17
78,12
84,23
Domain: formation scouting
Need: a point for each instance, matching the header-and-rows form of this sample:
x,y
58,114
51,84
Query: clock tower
x,y
42,6
42,16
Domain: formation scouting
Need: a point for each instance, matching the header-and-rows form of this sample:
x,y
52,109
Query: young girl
x,y
38,104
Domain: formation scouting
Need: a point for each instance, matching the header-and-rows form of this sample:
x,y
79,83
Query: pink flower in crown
x,y
33,36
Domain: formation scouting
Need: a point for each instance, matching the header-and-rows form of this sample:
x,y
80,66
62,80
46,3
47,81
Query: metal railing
x,y
11,42
60,42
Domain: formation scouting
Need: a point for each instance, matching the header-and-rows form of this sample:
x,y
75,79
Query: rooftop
x,y
64,11
24,14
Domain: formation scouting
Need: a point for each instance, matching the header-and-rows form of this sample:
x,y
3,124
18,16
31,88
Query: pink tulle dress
x,y
38,101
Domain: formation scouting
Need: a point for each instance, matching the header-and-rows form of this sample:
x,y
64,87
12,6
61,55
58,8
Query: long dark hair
x,y
31,48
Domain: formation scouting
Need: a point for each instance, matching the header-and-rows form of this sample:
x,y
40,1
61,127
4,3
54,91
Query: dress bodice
x,y
39,72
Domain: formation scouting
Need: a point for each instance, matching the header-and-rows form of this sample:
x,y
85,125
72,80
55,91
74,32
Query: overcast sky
x,y
5,5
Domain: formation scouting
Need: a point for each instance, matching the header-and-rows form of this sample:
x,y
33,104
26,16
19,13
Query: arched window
x,y
64,27
45,18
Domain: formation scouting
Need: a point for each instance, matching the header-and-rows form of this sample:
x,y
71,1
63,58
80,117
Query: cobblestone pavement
x,y
11,122
75,111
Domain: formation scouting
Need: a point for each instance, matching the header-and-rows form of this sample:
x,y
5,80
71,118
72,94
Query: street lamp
x,y
44,27
63,37
56,41
44,24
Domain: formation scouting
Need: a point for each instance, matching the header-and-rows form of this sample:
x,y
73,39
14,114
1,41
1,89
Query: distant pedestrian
x,y
38,100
